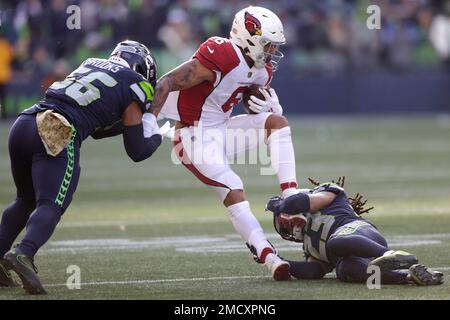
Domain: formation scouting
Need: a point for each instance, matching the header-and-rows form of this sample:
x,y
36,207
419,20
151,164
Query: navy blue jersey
x,y
321,225
95,95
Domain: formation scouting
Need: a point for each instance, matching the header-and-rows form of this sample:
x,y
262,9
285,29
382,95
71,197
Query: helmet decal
x,y
253,29
138,57
252,25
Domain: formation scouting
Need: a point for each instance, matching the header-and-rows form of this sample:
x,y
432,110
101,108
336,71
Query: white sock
x,y
246,224
282,158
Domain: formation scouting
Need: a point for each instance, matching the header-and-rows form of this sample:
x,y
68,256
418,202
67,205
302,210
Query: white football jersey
x,y
209,103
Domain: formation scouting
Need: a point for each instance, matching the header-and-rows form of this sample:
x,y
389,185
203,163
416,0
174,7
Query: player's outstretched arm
x,y
307,270
188,74
320,200
302,203
137,146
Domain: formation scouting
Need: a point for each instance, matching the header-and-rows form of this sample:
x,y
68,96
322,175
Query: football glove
x,y
149,124
167,131
151,127
269,104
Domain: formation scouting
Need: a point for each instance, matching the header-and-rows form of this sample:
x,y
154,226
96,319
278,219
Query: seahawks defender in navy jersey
x,y
334,235
101,98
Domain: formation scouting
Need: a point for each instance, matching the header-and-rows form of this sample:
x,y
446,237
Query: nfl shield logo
x,y
249,75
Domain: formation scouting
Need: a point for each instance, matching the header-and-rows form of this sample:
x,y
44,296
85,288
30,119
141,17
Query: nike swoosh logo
x,y
210,50
22,262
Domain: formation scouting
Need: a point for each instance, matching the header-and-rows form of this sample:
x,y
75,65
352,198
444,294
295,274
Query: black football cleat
x,y
26,270
394,260
421,276
6,279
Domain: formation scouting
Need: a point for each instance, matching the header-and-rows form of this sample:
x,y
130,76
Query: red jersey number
x,y
234,99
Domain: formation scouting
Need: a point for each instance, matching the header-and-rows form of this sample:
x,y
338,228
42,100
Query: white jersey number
x,y
82,90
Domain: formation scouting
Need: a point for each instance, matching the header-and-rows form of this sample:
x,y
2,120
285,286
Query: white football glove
x,y
150,125
270,104
167,131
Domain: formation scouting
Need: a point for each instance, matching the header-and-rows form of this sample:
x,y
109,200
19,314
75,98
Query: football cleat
x,y
26,270
421,276
279,268
394,260
6,279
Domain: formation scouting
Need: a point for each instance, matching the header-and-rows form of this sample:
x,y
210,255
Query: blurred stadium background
x,y
383,98
402,67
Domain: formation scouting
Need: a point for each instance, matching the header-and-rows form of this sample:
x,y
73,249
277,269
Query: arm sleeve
x,y
298,203
111,131
137,146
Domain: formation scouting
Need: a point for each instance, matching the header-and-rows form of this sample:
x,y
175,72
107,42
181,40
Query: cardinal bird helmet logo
x,y
252,25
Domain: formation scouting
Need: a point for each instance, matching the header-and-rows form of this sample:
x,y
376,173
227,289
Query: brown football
x,y
253,90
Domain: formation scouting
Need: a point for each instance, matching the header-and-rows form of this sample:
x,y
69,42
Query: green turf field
x,y
151,231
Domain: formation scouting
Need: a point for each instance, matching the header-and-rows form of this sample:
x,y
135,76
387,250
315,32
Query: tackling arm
x,y
309,270
302,203
189,74
137,146
320,200
111,131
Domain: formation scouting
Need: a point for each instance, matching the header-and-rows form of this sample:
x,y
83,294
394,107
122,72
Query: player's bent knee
x,y
275,121
352,269
47,214
25,204
50,205
19,206
233,197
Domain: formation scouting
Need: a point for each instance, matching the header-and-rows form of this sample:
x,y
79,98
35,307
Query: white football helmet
x,y
259,32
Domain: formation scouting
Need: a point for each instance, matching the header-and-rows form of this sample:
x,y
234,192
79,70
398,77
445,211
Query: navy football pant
x,y
365,241
45,184
351,251
348,269
354,269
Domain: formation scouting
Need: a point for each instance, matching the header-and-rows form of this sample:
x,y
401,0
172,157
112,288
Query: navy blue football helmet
x,y
139,57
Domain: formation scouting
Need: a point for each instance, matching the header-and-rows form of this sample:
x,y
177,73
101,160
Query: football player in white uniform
x,y
201,93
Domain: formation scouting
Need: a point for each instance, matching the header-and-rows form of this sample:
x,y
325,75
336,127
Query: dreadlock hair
x,y
356,202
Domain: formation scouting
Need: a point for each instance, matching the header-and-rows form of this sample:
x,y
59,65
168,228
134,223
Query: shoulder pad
x,y
217,54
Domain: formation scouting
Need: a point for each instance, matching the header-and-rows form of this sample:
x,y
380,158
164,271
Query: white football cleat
x,y
279,268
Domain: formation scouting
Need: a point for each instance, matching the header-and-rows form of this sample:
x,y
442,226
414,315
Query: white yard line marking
x,y
157,281
100,283
119,223
211,244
